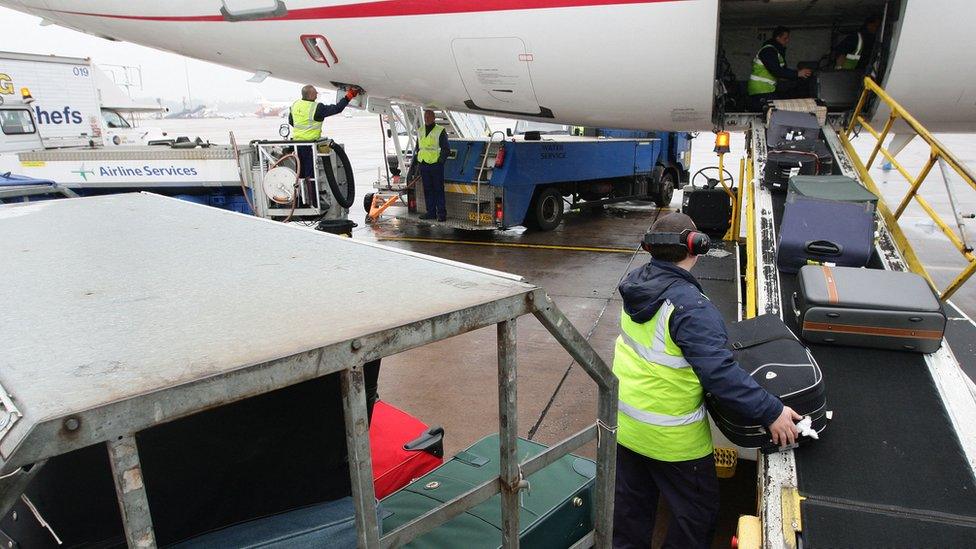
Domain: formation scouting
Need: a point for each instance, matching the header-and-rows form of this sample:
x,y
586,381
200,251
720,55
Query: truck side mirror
x,y
508,132
284,130
389,133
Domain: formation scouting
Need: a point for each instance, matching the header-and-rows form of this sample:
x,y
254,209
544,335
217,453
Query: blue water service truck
x,y
533,175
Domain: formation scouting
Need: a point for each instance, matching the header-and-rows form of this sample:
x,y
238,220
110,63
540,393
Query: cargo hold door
x,y
496,77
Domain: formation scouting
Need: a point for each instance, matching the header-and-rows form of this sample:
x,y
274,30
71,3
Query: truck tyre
x,y
344,197
368,202
665,189
546,211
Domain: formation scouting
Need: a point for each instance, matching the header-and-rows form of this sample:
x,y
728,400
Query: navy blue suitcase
x,y
817,231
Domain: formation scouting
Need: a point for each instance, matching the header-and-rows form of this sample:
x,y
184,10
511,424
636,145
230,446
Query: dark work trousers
x,y
433,177
689,487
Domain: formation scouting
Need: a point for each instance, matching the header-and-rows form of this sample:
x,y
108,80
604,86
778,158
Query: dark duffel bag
x,y
767,349
557,512
868,308
824,231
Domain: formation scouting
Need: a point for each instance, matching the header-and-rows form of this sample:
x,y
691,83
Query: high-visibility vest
x,y
761,80
852,59
661,409
303,120
430,145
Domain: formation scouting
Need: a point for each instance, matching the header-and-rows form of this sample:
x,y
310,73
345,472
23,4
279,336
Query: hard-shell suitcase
x,y
824,231
709,208
868,308
791,130
556,513
402,447
767,349
831,187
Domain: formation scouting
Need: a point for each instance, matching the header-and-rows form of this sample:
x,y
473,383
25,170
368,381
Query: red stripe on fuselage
x,y
390,8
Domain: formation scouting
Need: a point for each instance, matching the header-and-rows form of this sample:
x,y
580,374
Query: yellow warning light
x,y
722,142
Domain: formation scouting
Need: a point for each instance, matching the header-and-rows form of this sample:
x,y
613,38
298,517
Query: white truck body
x,y
69,101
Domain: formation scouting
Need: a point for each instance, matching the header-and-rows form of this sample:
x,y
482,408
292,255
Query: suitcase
x,y
824,231
839,89
794,146
402,447
832,187
709,208
775,358
556,513
868,308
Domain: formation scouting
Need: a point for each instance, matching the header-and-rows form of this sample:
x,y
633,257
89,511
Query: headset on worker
x,y
697,243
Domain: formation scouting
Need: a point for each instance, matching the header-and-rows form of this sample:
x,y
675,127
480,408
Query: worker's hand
x,y
804,73
351,93
783,430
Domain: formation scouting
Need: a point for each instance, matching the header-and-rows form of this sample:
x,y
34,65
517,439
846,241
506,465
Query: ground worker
x,y
671,351
306,118
769,68
854,51
431,153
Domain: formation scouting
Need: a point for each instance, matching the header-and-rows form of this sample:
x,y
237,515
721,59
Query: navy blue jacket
x,y
322,111
698,329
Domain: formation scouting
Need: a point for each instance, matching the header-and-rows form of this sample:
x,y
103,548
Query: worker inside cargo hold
x,y
306,117
771,78
671,351
854,51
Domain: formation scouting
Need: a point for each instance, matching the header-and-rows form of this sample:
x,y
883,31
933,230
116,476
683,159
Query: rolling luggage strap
x,y
832,295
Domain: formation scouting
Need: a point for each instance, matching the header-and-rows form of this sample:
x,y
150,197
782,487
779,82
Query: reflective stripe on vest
x,y
661,411
303,120
430,145
761,80
852,59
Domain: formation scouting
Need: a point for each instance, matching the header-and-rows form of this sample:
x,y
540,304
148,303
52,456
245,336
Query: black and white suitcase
x,y
794,147
769,351
868,308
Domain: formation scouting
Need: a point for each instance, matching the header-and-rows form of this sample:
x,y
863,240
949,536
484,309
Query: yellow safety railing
x,y
937,153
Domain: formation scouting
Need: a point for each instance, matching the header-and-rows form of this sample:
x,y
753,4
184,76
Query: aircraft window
x,y
16,122
114,120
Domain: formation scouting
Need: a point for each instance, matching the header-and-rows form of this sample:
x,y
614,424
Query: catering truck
x,y
76,103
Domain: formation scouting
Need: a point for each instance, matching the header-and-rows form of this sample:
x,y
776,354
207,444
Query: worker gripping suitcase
x,y
555,513
775,358
868,308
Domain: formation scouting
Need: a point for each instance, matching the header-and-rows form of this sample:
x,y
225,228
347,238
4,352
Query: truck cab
x,y
18,127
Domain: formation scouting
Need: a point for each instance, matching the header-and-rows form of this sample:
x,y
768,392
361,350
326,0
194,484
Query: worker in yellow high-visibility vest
x,y
305,118
431,154
854,51
671,351
769,70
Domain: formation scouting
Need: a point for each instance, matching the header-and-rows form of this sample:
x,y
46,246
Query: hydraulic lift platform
x,y
125,312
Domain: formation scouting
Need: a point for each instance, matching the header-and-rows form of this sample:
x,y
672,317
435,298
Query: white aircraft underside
x,y
646,64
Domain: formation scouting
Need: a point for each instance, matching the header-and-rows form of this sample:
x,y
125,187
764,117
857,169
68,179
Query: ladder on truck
x,y
792,500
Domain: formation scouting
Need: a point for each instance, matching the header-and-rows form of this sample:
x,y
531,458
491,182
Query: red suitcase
x,y
403,448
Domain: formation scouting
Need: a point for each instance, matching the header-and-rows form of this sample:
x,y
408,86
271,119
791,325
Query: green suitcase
x,y
556,511
831,187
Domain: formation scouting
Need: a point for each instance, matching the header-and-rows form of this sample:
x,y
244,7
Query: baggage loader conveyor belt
x,y
889,470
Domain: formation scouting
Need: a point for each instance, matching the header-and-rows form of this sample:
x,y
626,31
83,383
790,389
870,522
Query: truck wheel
x,y
665,189
546,212
368,202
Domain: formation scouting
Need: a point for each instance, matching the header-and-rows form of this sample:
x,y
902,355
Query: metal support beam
x,y
508,465
569,337
13,484
360,461
131,492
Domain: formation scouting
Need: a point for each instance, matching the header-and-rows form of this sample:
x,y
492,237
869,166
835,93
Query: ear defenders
x,y
696,243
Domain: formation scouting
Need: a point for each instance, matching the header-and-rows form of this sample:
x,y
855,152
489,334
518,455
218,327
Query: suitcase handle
x,y
431,441
823,247
796,307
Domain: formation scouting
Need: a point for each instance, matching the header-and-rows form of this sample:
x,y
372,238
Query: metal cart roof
x,y
121,312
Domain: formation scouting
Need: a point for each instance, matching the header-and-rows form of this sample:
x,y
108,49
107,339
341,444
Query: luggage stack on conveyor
x,y
891,469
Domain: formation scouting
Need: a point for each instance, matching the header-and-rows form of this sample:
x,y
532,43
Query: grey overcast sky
x,y
163,73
